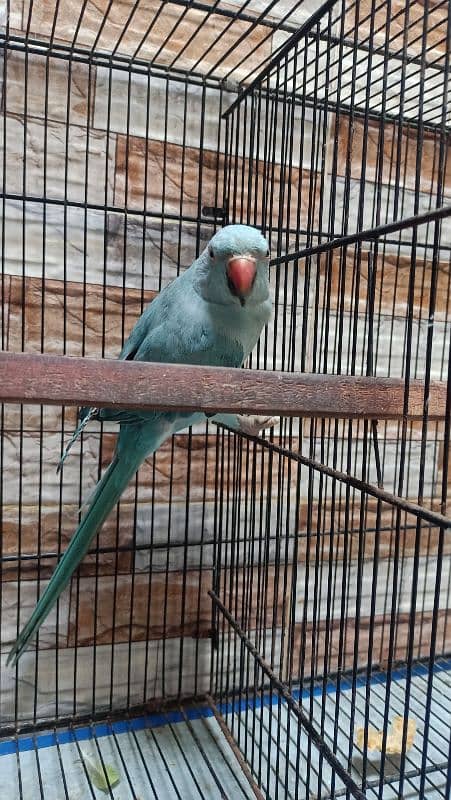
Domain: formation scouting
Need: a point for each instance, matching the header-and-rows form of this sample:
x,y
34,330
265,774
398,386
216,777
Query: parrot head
x,y
234,266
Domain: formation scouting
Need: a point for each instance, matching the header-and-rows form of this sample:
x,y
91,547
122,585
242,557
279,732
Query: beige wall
x,y
48,254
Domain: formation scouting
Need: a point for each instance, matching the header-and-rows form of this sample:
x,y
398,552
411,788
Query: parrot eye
x,y
211,253
267,253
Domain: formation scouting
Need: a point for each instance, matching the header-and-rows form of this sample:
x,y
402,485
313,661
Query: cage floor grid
x,y
267,731
180,754
184,753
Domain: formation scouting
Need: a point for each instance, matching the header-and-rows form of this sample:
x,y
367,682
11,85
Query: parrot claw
x,y
252,424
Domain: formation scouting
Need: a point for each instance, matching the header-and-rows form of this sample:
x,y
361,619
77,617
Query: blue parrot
x,y
212,314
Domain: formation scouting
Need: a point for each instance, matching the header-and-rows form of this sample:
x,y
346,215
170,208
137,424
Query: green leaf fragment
x,y
103,776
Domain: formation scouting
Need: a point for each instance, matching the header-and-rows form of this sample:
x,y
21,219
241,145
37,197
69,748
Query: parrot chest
x,y
227,338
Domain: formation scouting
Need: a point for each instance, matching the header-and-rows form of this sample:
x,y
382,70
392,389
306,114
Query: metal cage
x,y
262,616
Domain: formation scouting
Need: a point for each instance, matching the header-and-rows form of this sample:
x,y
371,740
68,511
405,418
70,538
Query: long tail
x,y
106,495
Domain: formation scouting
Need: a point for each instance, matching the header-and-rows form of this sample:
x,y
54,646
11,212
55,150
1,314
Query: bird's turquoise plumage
x,y
197,319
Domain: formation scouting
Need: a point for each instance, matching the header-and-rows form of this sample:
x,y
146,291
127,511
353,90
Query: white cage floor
x,y
163,756
184,754
267,731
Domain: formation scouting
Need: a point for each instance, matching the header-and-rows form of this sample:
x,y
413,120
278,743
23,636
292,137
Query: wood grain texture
x,y
402,19
68,316
63,162
148,176
163,606
116,609
393,273
50,88
182,469
103,383
309,653
122,24
30,528
340,537
358,148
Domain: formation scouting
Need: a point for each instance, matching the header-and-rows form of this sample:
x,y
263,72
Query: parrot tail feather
x,y
106,495
92,412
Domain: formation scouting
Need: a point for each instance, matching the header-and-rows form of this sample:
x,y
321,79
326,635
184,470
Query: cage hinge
x,y
216,212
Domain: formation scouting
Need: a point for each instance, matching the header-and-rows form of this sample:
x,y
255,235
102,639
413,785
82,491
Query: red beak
x,y
241,272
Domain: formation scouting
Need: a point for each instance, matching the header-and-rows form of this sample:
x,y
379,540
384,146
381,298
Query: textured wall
x,y
77,271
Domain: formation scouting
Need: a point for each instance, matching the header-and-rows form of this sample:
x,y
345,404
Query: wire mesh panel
x,y
112,182
295,587
340,592
108,161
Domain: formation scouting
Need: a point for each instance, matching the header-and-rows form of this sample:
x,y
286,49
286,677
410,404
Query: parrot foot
x,y
252,424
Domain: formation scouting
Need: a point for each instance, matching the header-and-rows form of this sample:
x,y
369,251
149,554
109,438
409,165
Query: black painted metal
x,y
328,547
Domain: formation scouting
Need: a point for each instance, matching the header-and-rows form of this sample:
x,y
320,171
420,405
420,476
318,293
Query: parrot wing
x,y
191,340
142,330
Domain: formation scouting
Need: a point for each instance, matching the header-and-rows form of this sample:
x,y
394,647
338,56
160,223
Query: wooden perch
x,y
62,380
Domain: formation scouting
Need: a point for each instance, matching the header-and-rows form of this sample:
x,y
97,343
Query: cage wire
x,y
262,616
